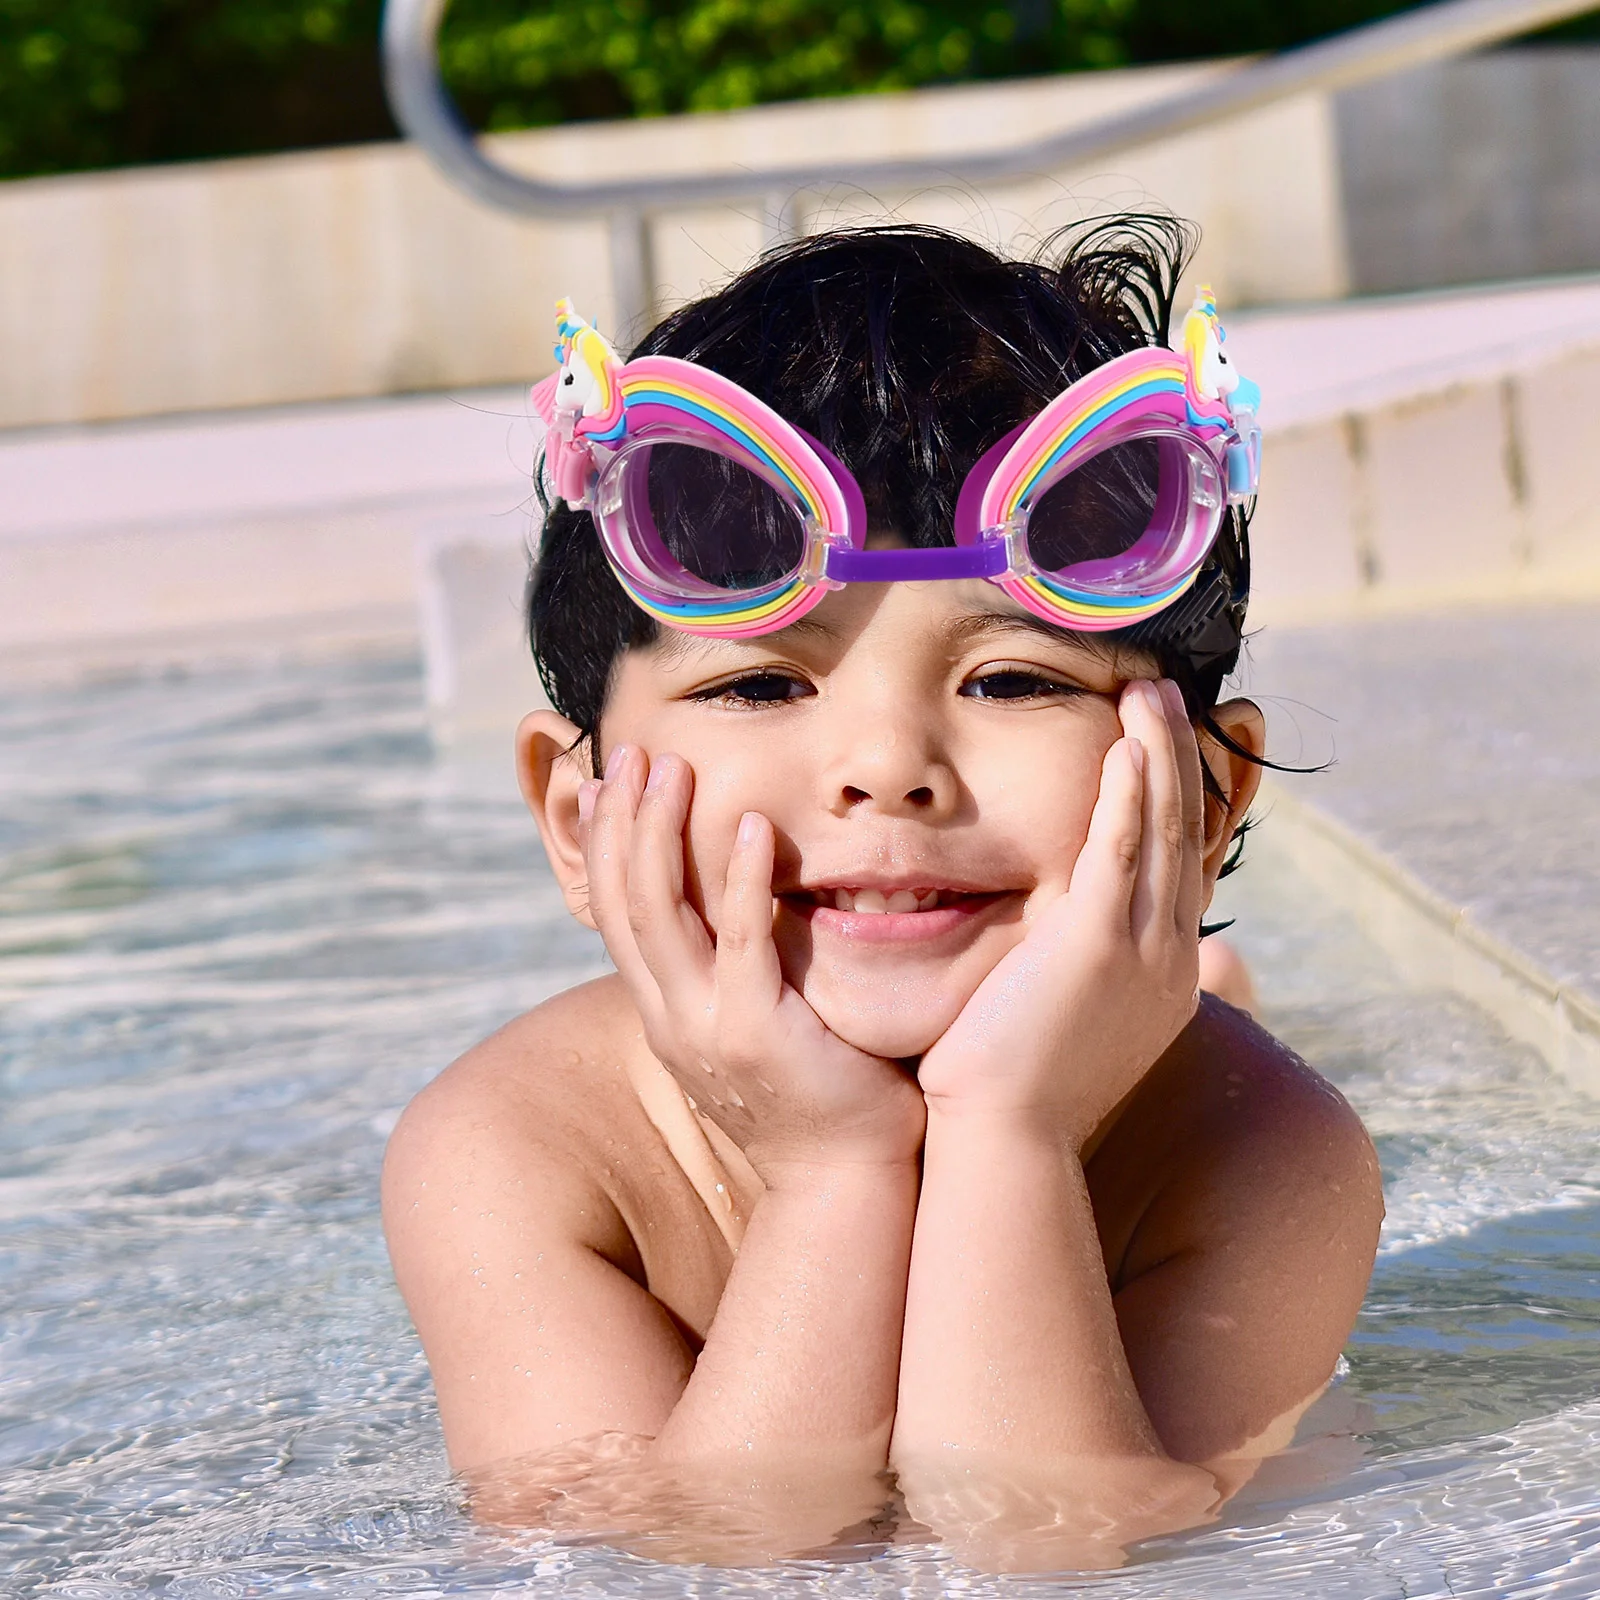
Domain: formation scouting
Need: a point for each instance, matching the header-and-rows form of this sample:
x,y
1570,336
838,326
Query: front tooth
x,y
844,900
902,900
928,901
871,901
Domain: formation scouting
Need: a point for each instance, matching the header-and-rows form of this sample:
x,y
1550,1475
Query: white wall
x,y
355,272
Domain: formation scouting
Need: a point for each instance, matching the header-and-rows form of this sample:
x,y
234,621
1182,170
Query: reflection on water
x,y
243,918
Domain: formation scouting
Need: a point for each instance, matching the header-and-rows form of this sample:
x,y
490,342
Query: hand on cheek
x,y
1075,1015
716,1011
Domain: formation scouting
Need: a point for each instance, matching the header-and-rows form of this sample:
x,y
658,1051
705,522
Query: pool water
x,y
244,916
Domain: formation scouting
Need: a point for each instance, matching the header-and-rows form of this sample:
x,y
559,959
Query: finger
x,y
671,939
610,832
749,977
1191,882
1146,716
1104,874
588,790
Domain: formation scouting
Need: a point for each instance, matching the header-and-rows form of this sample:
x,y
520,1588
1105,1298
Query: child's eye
x,y
1015,683
756,689
1018,684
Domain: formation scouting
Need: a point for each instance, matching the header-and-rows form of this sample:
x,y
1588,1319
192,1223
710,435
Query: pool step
x,y
1426,450
1457,818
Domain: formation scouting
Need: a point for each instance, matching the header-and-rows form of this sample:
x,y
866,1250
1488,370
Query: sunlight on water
x,y
243,918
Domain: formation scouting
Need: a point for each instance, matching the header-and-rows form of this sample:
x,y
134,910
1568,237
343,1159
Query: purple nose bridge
x,y
985,560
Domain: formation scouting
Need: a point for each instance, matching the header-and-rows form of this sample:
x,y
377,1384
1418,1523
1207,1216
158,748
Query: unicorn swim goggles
x,y
720,518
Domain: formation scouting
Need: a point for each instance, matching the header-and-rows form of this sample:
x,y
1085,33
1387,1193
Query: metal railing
x,y
427,115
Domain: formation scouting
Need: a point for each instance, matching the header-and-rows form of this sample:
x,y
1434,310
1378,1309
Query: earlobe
x,y
550,770
1235,764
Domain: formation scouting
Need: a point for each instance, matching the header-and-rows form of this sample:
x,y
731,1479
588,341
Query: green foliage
x,y
575,58
90,83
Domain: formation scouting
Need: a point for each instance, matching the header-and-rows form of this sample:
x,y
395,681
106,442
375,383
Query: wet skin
x,y
982,1157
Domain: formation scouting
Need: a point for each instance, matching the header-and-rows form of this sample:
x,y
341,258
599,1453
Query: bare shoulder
x,y
1256,1145
520,1190
1241,1221
525,1114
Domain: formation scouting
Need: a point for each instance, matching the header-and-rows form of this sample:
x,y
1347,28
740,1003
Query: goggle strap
x,y
1204,623
848,565
1241,472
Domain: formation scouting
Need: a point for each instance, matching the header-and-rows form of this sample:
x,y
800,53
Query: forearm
x,y
1012,1363
779,1439
802,1359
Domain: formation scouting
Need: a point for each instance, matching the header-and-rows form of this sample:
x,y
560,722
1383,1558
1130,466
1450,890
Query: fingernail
x,y
1173,696
749,825
615,759
660,772
586,795
1136,755
1148,693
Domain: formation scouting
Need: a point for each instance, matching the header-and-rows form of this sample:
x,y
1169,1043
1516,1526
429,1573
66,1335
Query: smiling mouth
x,y
887,902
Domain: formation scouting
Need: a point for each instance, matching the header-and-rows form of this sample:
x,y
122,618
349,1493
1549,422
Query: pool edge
x,y
1432,941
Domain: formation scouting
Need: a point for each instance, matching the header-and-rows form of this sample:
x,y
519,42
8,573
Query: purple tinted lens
x,y
714,518
1102,509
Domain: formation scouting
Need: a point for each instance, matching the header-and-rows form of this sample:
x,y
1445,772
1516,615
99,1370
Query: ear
x,y
550,769
1237,775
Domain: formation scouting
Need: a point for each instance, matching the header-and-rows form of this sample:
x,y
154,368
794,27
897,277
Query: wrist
x,y
834,1174
1010,1125
886,1141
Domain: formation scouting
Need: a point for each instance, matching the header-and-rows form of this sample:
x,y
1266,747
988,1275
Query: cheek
x,y
1048,801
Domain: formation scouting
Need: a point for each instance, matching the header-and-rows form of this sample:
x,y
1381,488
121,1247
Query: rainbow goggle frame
x,y
721,518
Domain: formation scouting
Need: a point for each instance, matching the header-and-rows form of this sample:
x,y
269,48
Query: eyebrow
x,y
673,646
980,625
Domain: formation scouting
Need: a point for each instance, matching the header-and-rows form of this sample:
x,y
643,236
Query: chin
x,y
896,1026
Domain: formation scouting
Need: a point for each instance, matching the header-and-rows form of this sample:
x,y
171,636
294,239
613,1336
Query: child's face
x,y
905,740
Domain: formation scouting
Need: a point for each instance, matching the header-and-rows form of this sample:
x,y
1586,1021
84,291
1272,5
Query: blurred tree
x,y
91,83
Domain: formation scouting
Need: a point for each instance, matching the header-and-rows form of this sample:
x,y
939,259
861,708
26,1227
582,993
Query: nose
x,y
891,766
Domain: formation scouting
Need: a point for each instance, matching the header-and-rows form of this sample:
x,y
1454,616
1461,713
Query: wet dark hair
x,y
908,351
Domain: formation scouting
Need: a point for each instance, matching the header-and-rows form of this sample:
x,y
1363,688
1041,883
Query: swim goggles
x,y
720,518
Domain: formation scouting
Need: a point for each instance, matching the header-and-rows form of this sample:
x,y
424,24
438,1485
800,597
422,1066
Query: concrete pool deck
x,y
1460,815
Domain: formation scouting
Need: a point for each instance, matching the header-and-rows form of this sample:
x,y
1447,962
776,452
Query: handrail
x,y
426,114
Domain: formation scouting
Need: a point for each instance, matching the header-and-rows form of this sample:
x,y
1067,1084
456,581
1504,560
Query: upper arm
x,y
1258,1263
502,1247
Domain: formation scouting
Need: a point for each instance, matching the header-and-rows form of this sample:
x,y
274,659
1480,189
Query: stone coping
x,y
1435,943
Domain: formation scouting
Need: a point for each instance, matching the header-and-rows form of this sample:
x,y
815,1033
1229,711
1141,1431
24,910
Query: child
x,y
902,1147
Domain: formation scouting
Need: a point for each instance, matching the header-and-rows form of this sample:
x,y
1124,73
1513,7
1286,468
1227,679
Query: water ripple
x,y
243,918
